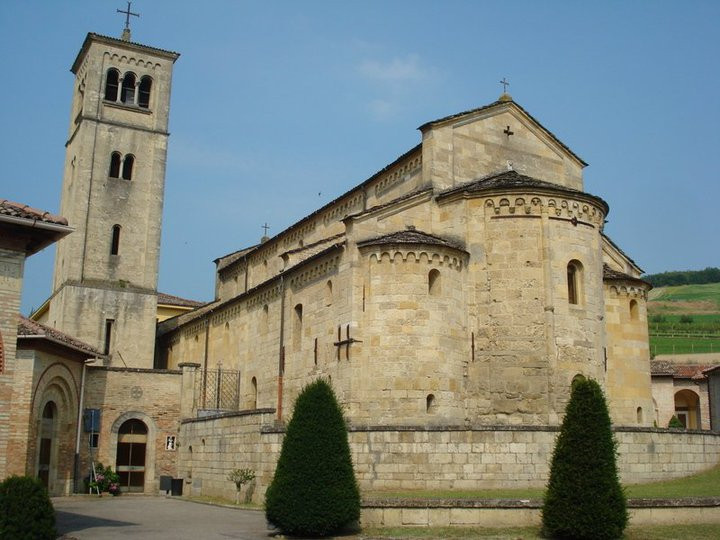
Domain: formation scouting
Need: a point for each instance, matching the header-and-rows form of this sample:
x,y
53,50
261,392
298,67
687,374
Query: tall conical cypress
x,y
314,491
584,498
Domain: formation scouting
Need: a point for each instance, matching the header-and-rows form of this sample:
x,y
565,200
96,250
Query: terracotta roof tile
x,y
28,328
19,210
679,371
410,236
171,300
614,275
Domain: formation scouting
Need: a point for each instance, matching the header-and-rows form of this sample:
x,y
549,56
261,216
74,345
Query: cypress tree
x,y
314,491
584,498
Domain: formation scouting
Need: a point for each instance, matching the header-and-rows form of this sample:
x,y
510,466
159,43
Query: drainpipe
x,y
281,357
76,465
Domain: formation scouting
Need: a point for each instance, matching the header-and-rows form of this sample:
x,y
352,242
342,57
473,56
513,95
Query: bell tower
x,y
105,277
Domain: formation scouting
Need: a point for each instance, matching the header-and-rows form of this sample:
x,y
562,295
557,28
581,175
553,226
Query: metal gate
x,y
218,389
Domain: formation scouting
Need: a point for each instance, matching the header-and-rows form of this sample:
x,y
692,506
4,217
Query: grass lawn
x,y
682,345
687,293
648,532
705,484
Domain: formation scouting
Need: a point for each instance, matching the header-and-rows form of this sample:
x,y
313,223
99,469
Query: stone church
x,y
451,299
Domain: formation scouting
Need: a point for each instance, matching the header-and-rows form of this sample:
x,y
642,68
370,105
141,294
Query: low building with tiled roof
x,y
33,335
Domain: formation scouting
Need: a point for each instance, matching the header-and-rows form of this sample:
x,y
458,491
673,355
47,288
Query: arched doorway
x,y
131,450
47,437
687,409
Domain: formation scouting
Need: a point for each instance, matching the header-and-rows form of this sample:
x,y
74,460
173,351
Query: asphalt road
x,y
158,518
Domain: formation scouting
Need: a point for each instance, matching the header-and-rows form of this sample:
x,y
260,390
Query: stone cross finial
x,y
127,13
505,84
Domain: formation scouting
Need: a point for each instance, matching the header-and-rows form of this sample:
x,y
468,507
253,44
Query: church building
x,y
451,299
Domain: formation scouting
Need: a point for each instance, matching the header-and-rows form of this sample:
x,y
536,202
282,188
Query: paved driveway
x,y
159,518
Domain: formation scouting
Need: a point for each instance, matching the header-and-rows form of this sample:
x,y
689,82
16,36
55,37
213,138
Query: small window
x,y
144,92
430,403
127,96
328,293
94,440
108,335
115,165
128,163
297,326
115,242
254,392
111,84
264,319
639,415
434,282
574,281
634,315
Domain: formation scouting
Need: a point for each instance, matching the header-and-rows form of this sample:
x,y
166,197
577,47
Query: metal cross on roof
x,y
128,13
266,228
505,84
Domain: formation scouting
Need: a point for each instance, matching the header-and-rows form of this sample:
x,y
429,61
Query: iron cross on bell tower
x,y
128,14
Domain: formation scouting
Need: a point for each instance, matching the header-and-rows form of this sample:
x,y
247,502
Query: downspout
x,y
205,360
76,465
281,357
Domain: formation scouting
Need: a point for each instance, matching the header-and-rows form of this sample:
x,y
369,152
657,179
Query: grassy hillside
x,y
684,319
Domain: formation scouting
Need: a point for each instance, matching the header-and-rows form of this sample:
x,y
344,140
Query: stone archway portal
x,y
130,459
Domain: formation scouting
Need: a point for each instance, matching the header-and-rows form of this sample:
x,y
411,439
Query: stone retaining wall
x,y
438,457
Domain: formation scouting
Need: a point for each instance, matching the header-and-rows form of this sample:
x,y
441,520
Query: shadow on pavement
x,y
68,522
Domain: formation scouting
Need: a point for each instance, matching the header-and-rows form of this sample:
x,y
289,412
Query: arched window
x,y
297,326
128,163
115,242
430,403
634,315
115,165
328,293
112,80
639,415
127,95
574,282
577,379
254,392
144,92
434,282
264,319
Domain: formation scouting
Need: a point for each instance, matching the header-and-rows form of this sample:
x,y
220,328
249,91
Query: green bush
x,y
675,423
584,499
686,319
314,491
26,512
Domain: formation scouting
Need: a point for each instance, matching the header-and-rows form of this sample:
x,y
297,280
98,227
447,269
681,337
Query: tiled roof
x,y
512,180
19,210
410,236
226,260
314,247
679,371
171,300
613,244
131,44
30,328
614,275
503,102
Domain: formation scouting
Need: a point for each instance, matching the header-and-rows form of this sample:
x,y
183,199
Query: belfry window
x,y
574,282
144,92
114,165
115,242
128,163
112,82
127,95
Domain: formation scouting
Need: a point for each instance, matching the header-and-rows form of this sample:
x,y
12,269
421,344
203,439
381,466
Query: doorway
x,y
130,459
47,434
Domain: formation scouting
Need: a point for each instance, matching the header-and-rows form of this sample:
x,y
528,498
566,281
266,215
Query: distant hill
x,y
684,277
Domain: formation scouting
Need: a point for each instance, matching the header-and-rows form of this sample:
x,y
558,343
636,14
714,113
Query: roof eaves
x,y
115,41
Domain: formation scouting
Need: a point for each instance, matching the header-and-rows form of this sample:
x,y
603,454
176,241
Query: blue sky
x,y
279,107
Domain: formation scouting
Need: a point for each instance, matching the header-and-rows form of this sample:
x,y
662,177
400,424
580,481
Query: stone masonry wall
x,y
442,457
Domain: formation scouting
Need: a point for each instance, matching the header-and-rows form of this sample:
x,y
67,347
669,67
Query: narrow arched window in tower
x,y
634,315
328,293
144,92
264,319
254,392
430,403
127,94
112,81
297,327
128,164
574,282
115,158
639,415
115,242
434,282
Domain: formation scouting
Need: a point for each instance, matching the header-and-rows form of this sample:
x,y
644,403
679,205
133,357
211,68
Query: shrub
x,y
26,512
686,319
584,498
106,480
314,491
675,423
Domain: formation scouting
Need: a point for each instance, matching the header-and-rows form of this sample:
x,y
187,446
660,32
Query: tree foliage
x,y
26,512
584,499
684,277
314,491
